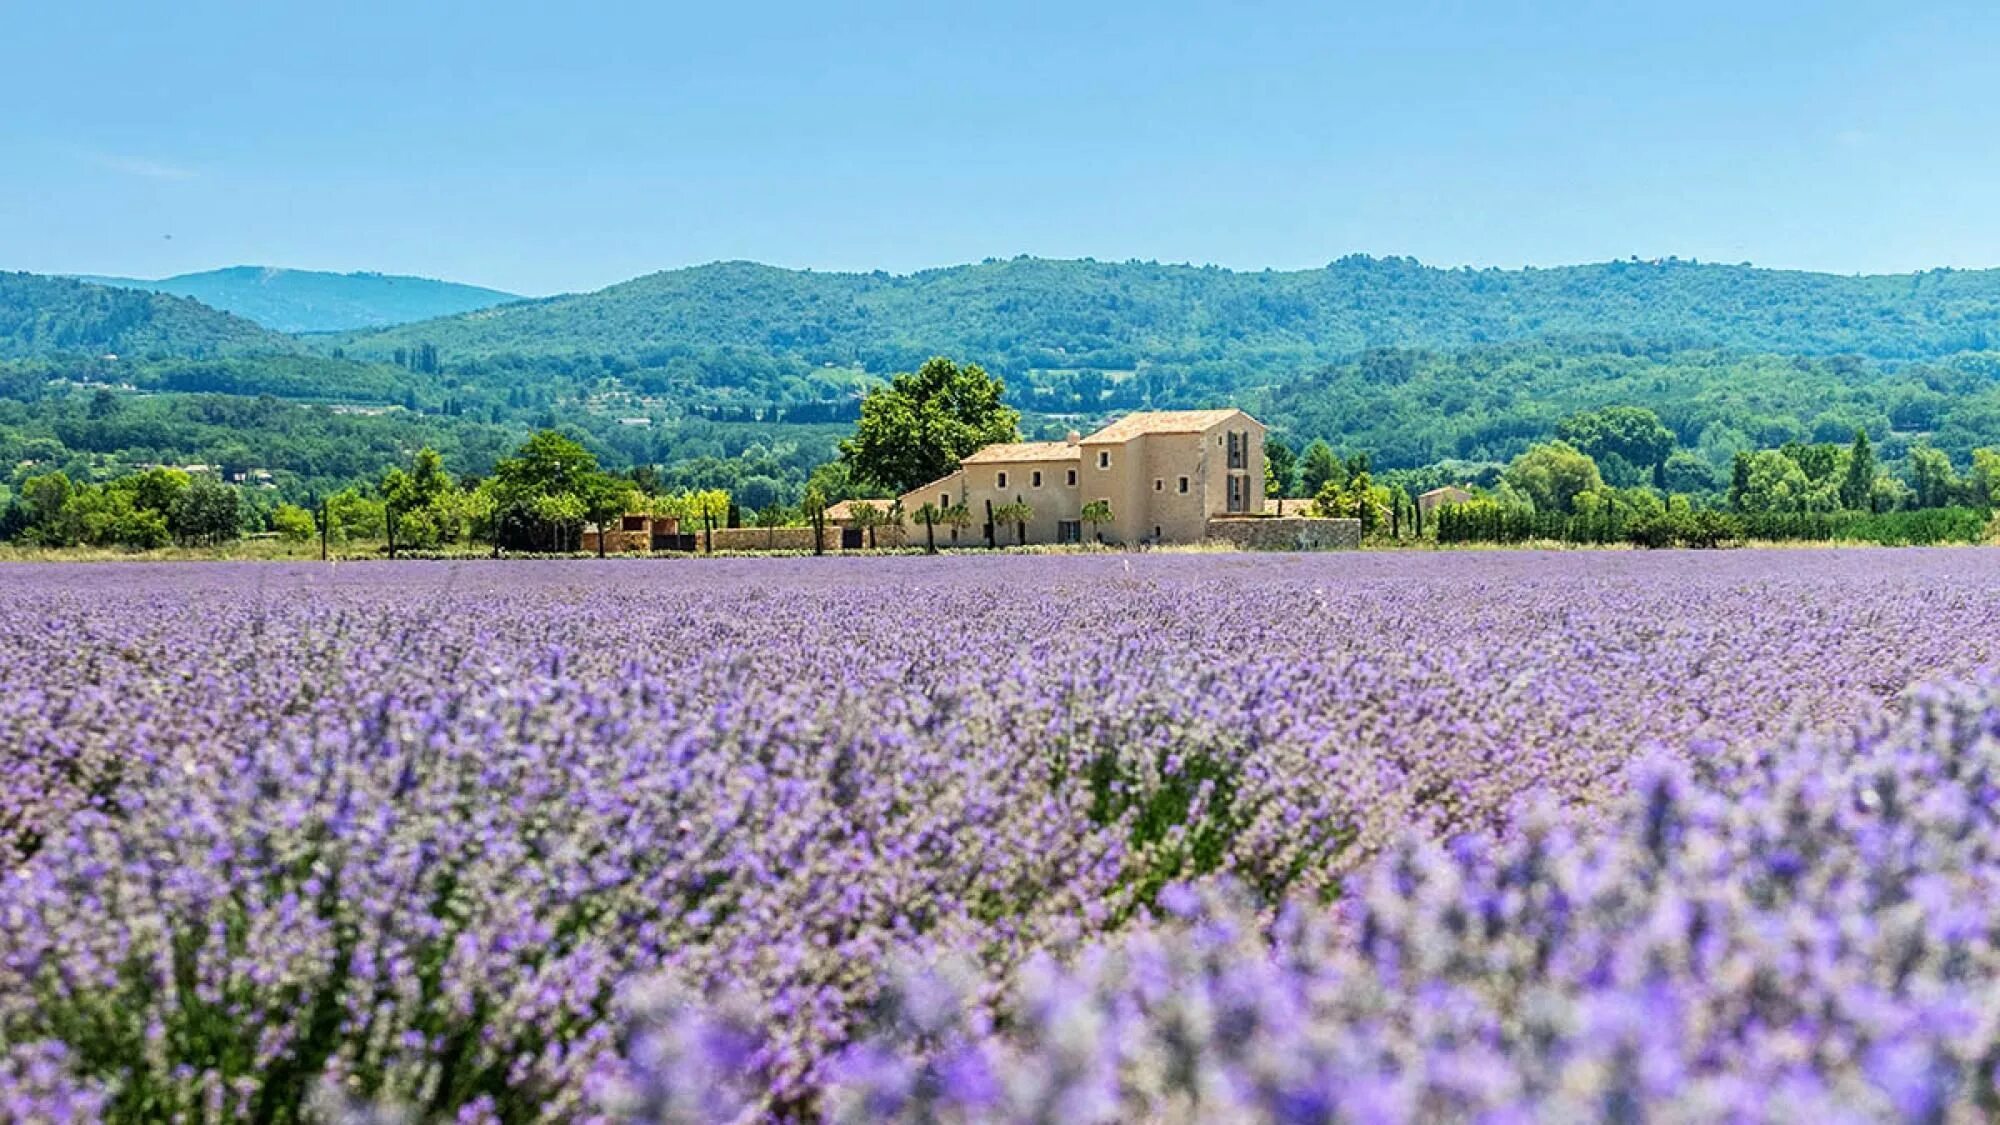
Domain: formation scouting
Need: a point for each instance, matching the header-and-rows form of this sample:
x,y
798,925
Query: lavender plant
x,y
827,838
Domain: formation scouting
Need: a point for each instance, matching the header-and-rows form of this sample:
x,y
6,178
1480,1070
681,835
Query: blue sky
x,y
543,147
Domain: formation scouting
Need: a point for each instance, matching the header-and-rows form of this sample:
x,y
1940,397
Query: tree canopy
x,y
917,428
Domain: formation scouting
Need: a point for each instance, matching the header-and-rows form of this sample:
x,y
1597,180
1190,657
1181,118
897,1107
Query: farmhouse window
x,y
1072,478
1103,458
1184,486
1035,480
1002,480
1159,484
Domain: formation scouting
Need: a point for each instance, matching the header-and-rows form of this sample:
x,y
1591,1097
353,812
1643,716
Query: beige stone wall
x,y
619,542
1053,499
1122,484
1287,533
774,539
1215,453
943,493
1180,517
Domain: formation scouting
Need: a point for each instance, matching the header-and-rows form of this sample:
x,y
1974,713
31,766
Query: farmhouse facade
x,y
1161,476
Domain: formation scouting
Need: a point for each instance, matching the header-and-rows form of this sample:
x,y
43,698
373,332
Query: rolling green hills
x,y
1215,326
737,371
314,301
55,316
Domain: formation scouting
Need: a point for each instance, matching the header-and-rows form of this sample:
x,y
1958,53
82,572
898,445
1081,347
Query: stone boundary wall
x,y
1287,533
775,539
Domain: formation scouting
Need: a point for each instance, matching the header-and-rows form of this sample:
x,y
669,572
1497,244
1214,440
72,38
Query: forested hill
x,y
1033,314
51,316
313,301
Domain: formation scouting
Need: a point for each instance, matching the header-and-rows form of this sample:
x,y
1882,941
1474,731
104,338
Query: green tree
x,y
1687,473
1359,498
1774,483
813,506
293,524
350,516
52,521
420,505
1739,479
929,515
834,480
1553,474
1857,481
1631,433
771,517
209,512
1281,468
538,493
1018,513
958,517
708,507
867,517
160,489
397,498
894,518
606,499
916,429
1320,468
1985,477
108,515
1097,513
1932,476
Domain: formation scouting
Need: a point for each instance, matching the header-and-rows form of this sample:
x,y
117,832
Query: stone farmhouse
x,y
1167,477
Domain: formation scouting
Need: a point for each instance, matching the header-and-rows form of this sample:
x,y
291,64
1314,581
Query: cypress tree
x,y
1859,484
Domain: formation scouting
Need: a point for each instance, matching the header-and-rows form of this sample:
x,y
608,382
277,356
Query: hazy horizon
x,y
96,275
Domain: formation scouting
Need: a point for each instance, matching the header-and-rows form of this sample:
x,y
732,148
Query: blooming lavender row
x,y
421,835
1809,937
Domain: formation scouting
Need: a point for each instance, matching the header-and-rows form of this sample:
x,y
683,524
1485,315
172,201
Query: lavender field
x,y
1098,838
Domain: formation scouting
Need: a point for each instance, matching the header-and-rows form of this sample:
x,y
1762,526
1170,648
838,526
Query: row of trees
x,y
1557,490
149,509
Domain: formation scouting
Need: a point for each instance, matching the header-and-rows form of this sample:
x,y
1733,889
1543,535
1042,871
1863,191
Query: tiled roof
x,y
1023,451
1161,422
844,511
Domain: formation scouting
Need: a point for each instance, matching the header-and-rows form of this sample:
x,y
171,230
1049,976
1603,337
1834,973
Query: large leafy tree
x,y
1632,434
538,494
1553,474
208,512
1320,468
916,429
1773,482
1932,476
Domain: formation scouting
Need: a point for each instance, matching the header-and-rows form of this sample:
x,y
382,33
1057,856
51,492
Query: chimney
x,y
1074,437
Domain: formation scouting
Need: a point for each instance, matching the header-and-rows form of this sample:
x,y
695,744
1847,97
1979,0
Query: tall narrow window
x,y
1002,480
1184,486
1072,478
1035,479
1159,484
1103,458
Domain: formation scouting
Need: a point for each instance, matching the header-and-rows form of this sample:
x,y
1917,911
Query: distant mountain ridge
x,y
1028,313
286,300
52,316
